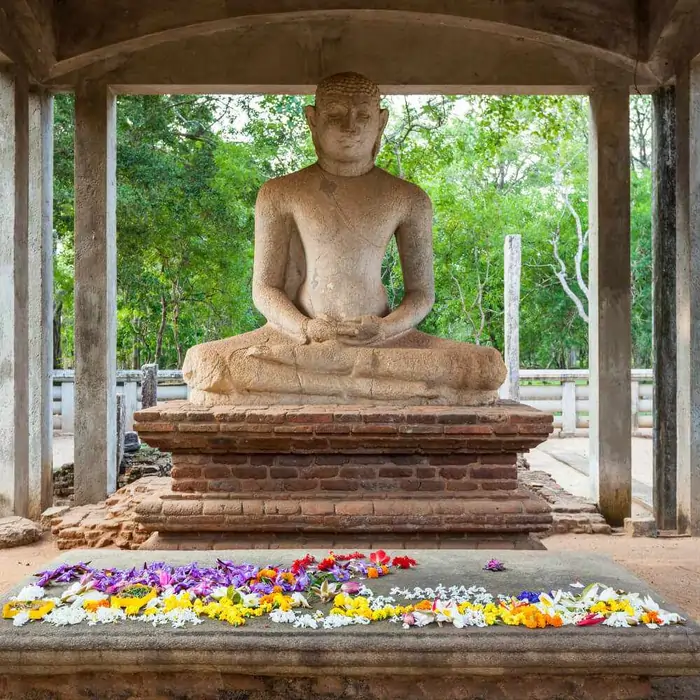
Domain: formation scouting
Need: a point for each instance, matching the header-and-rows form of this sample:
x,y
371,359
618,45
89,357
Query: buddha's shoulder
x,y
286,184
403,188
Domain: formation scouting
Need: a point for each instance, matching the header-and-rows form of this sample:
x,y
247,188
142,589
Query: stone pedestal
x,y
342,475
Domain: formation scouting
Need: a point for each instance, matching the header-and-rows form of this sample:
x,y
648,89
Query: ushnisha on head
x,y
347,123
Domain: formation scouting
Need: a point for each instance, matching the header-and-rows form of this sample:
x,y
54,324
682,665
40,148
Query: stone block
x,y
641,527
49,514
16,531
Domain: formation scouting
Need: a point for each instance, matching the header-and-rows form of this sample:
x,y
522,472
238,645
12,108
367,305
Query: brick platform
x,y
313,471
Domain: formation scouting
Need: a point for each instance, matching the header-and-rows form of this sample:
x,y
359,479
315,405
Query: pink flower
x,y
350,587
590,619
380,557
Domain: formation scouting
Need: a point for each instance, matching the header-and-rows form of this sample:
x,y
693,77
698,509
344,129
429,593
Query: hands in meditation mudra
x,y
320,238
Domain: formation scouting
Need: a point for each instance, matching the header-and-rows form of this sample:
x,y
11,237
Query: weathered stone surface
x,y
131,441
48,516
16,531
331,335
381,661
641,527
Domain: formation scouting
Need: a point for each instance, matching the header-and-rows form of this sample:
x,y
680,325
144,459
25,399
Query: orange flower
x,y
372,572
93,605
424,605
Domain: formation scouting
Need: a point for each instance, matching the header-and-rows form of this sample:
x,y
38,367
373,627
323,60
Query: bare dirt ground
x,y
671,566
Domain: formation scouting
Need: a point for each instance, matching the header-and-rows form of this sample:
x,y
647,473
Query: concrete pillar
x,y
68,406
664,301
40,303
95,293
511,266
568,409
610,291
14,284
688,297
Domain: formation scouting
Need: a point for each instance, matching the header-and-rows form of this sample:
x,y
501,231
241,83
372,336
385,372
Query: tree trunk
x,y
161,329
57,321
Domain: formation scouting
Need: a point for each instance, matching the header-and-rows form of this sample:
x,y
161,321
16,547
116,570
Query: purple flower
x,y
529,596
494,565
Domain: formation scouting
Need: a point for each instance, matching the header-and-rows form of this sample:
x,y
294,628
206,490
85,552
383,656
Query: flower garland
x,y
160,594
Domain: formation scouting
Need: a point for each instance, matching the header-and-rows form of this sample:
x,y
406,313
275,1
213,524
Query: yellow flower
x,y
36,609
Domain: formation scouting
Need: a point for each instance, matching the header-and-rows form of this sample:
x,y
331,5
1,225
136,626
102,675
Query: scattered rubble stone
x,y
16,531
50,513
570,513
110,523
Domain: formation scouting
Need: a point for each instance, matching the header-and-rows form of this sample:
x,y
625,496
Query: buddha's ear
x,y
383,119
310,113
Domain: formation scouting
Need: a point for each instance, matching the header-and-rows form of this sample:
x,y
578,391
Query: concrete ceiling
x,y
552,45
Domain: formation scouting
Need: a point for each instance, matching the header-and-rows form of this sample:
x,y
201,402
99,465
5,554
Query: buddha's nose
x,y
350,122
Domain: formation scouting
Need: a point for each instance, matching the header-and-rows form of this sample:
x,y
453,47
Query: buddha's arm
x,y
272,232
414,238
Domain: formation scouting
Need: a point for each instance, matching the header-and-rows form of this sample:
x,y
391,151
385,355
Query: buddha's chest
x,y
345,219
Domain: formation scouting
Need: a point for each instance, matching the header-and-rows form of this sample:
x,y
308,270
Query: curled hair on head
x,y
347,84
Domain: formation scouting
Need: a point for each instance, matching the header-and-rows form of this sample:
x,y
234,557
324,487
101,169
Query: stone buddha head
x,y
347,123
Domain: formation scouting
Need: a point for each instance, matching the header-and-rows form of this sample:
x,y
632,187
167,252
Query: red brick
x,y
224,485
505,429
198,427
338,485
510,485
395,472
300,484
252,506
510,458
230,458
361,472
284,472
186,472
537,429
189,485
375,429
330,459
282,507
333,429
293,460
426,472
456,418
246,428
228,506
244,472
294,429
462,485
182,508
419,417
493,472
317,507
320,472
412,429
217,472
402,508
354,508
265,417
250,485
452,460
347,417
309,417
370,416
409,460
432,486
454,472
468,430
155,427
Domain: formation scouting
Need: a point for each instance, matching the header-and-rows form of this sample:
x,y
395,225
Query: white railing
x,y
561,392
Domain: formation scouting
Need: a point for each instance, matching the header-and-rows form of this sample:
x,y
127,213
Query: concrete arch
x,y
400,56
600,26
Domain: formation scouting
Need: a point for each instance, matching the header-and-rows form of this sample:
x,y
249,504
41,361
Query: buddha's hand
x,y
368,331
319,330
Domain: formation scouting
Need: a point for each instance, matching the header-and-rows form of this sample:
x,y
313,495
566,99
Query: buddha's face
x,y
347,128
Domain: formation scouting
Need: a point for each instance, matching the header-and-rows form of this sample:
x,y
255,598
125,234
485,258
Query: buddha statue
x,y
320,238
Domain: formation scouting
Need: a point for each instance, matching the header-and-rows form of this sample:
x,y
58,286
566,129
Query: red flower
x,y
301,564
379,557
326,564
590,619
403,562
348,557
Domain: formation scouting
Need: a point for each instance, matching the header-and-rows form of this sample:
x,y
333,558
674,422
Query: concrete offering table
x,y
290,476
269,661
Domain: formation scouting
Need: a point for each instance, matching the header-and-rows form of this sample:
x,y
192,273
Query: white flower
x,y
219,592
306,621
617,619
298,600
30,593
577,584
66,615
283,616
21,618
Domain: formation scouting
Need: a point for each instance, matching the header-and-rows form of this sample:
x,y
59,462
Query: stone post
x,y
688,297
68,406
121,428
610,291
40,303
664,300
149,386
568,408
512,261
95,293
14,290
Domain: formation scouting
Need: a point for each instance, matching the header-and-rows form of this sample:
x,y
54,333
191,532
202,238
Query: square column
x,y
14,287
664,299
95,293
40,303
610,337
688,297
